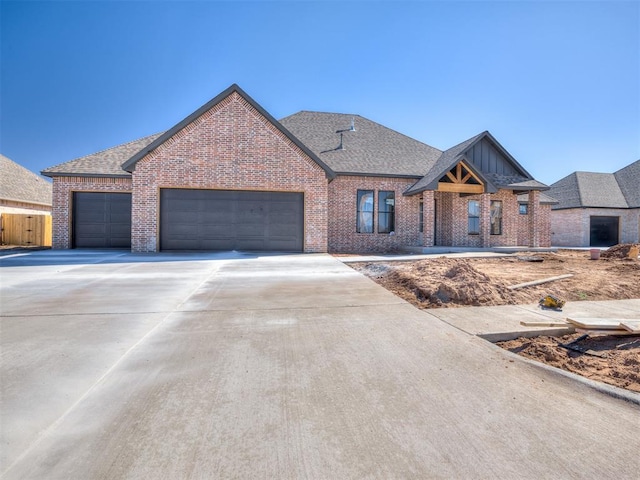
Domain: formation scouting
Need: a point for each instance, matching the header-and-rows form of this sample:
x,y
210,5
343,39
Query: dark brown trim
x,y
88,175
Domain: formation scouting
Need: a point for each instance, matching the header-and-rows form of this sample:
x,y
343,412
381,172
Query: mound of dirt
x,y
621,250
454,282
618,362
458,284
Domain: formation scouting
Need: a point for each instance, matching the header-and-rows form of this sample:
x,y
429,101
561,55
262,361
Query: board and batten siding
x,y
486,158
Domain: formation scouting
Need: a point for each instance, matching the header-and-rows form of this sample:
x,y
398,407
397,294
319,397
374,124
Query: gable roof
x,y
340,144
130,164
107,163
22,185
520,180
369,149
447,160
599,190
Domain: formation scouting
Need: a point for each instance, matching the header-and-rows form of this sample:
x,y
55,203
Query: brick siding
x,y
230,147
571,227
63,188
452,221
544,227
343,211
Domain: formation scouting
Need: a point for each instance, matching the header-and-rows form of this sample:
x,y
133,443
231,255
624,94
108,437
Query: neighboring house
x,y
230,176
22,191
25,206
597,209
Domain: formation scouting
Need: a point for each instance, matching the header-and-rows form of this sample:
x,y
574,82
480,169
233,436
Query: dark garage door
x,y
604,231
101,220
231,220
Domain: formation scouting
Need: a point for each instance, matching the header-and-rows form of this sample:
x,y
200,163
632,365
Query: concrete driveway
x,y
232,366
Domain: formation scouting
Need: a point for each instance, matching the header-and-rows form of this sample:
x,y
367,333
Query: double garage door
x,y
196,220
231,220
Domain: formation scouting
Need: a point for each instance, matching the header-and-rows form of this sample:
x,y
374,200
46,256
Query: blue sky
x,y
557,83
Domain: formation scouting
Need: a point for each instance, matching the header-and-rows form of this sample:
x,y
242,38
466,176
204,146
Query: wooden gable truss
x,y
460,179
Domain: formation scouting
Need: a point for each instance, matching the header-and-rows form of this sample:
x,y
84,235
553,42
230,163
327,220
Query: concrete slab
x,y
351,383
414,257
497,323
503,322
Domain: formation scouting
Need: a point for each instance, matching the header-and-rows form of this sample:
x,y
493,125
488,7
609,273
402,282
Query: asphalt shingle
x,y
629,180
588,189
105,163
370,149
22,185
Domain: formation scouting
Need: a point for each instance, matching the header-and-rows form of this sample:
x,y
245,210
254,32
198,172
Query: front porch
x,y
505,219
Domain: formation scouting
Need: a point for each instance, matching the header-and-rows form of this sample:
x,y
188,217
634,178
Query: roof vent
x,y
352,128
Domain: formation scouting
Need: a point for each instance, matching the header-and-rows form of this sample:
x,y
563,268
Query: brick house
x,y
230,176
597,209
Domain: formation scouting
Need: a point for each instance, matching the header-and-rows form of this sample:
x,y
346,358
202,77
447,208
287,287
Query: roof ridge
x,y
368,120
474,137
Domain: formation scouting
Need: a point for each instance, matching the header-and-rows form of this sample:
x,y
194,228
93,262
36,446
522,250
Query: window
x,y
523,208
474,217
386,211
364,220
496,217
421,218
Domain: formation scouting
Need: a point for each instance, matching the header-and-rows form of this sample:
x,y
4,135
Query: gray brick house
x,y
230,176
597,209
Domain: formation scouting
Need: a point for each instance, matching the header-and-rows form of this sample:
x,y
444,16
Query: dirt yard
x,y
449,283
612,359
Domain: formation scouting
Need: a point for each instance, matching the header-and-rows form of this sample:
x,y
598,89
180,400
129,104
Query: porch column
x,y
534,220
485,220
428,218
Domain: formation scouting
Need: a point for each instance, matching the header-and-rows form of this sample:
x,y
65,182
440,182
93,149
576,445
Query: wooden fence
x,y
26,229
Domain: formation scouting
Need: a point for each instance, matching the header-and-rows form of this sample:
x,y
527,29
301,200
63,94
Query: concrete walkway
x,y
503,323
166,366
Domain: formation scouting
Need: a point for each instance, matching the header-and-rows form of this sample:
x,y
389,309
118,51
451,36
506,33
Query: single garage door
x,y
101,220
604,231
231,220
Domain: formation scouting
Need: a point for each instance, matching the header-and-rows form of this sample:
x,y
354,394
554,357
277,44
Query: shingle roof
x,y
130,164
588,189
19,184
516,183
544,199
105,163
371,149
629,180
454,155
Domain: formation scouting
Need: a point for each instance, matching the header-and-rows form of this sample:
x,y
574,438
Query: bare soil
x,y
619,364
449,283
